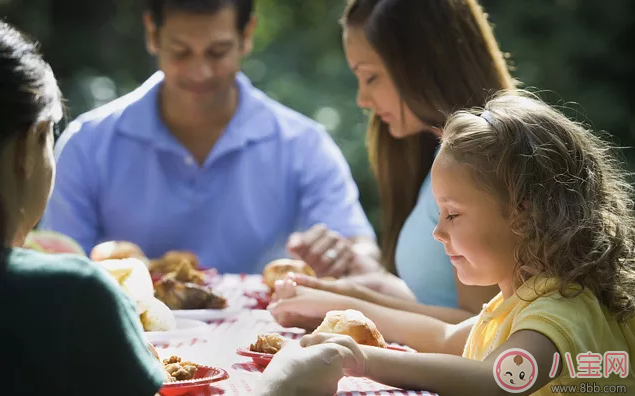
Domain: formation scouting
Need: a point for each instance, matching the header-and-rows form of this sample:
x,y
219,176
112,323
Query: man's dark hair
x,y
159,8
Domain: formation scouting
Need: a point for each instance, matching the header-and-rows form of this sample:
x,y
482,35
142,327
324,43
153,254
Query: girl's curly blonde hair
x,y
565,193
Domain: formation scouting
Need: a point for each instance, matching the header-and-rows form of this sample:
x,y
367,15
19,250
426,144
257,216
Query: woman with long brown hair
x,y
416,62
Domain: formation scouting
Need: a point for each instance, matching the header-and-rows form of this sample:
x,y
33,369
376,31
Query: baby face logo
x,y
515,370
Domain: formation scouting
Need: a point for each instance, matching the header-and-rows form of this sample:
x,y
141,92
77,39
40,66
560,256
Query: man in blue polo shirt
x,y
198,159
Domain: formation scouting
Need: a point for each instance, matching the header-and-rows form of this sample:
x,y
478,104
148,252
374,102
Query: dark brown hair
x,y
28,91
442,57
159,8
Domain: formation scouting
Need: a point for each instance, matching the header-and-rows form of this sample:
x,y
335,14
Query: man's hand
x,y
330,254
312,371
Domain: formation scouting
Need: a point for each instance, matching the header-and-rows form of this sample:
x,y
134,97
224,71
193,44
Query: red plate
x,y
261,359
204,376
263,299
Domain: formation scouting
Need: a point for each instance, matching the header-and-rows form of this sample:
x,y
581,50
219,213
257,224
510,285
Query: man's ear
x,y
248,35
152,34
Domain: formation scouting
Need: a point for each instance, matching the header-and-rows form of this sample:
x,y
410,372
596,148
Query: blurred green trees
x,y
576,49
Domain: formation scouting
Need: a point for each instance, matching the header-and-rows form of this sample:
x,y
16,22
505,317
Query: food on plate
x,y
178,370
52,242
116,250
268,343
278,269
354,324
186,295
133,277
185,273
172,260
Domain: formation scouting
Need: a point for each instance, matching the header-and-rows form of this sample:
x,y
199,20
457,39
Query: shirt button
x,y
189,161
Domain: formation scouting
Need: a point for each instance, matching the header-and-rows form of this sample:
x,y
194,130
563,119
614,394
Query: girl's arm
x,y
457,376
423,333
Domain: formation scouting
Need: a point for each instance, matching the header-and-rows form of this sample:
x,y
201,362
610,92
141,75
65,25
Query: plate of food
x,y
188,291
183,377
274,271
261,352
184,328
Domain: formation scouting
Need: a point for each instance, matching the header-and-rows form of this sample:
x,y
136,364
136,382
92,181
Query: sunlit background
x,y
579,51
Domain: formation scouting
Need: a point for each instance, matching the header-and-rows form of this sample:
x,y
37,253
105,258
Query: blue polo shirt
x,y
121,175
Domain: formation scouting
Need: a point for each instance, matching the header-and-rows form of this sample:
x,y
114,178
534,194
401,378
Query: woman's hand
x,y
354,358
384,283
313,371
291,302
341,286
360,286
331,254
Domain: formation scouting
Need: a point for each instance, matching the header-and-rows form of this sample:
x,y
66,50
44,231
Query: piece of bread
x,y
116,250
278,269
157,316
354,324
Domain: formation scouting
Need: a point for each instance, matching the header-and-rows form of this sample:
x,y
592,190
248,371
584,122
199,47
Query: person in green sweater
x,y
66,327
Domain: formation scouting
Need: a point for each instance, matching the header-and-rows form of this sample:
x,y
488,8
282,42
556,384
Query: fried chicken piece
x,y
184,295
185,273
179,371
172,260
268,343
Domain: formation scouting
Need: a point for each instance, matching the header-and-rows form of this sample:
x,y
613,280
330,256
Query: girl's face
x,y
472,227
376,90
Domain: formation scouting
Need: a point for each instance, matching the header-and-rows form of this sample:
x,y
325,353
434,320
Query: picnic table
x,y
217,343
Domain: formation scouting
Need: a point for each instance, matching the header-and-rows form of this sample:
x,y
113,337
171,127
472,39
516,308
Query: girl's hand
x,y
354,359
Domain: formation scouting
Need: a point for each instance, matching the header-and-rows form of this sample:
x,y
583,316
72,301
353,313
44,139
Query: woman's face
x,y
376,90
38,174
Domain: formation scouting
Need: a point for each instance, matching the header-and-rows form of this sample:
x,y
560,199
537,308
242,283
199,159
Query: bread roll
x,y
157,316
354,324
133,277
115,250
278,269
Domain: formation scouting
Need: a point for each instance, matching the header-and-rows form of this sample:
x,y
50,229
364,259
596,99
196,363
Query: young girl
x,y
534,203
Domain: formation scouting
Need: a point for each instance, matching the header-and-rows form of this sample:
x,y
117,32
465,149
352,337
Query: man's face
x,y
199,54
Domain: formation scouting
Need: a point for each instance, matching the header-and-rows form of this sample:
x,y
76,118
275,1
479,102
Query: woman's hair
x,y
566,195
441,56
29,93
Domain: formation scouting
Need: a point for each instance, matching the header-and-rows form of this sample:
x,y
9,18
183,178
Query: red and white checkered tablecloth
x,y
217,344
